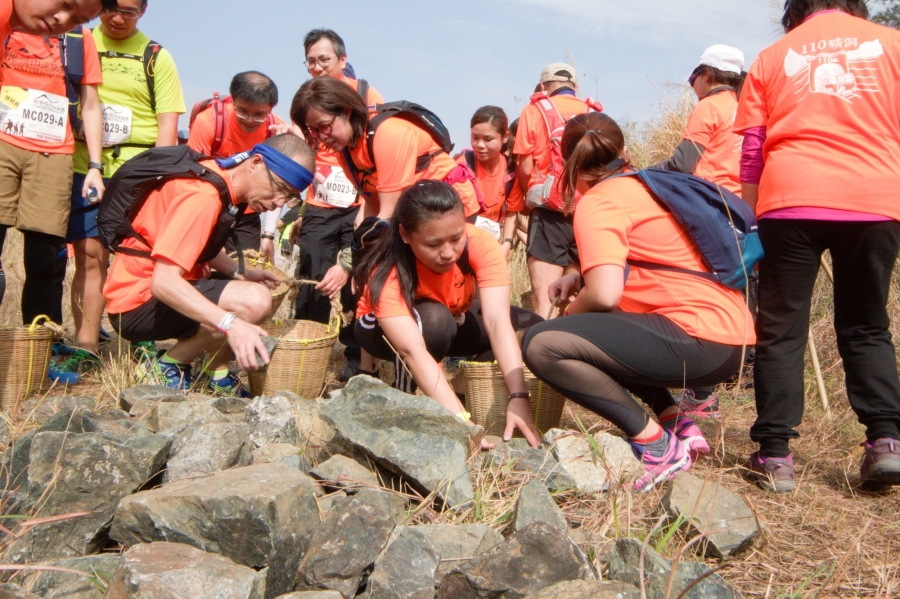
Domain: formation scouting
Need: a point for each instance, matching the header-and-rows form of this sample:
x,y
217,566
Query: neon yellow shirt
x,y
125,85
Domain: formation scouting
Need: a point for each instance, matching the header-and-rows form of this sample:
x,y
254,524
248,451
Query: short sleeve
x,y
93,74
702,124
169,96
395,149
752,108
487,259
180,240
201,137
527,133
516,200
601,232
391,302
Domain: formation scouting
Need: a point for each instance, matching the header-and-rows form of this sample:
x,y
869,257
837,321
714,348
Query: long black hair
x,y
797,11
718,76
422,202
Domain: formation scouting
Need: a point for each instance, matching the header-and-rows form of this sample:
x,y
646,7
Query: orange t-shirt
x,y
493,190
397,145
331,182
618,220
710,126
828,94
203,133
6,13
533,139
177,220
32,73
453,289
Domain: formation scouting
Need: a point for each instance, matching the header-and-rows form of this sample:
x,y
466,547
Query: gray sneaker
x,y
881,463
773,474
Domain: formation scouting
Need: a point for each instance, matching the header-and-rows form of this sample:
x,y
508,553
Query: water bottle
x,y
93,195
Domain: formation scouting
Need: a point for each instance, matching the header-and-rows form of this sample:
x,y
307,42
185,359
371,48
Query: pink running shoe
x,y
696,408
691,437
661,469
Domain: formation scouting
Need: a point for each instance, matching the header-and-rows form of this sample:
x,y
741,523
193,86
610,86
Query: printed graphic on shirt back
x,y
841,67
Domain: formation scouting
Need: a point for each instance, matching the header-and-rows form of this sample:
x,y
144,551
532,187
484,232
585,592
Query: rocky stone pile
x,y
174,495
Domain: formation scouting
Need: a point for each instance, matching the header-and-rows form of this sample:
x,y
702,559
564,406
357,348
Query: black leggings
x,y
596,359
443,336
39,294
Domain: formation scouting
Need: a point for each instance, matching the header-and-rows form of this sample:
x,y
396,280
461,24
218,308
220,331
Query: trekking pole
x,y
820,381
827,268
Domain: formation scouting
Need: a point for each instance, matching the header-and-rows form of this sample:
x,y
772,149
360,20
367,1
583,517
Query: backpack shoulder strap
x,y
218,108
270,121
471,161
362,88
151,52
463,262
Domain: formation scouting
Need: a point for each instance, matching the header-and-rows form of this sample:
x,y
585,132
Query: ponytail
x,y
591,145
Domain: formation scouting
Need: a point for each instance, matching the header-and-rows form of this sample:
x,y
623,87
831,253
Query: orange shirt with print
x,y
6,13
493,189
33,62
397,146
533,139
828,94
618,220
327,160
178,221
236,140
453,289
710,126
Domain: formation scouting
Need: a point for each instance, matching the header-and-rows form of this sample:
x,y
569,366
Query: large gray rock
x,y
65,585
535,504
271,420
588,589
173,570
344,548
40,408
146,396
411,435
530,560
201,450
171,415
406,567
341,472
229,405
14,591
457,544
82,473
624,566
594,471
281,453
517,457
258,516
315,433
726,522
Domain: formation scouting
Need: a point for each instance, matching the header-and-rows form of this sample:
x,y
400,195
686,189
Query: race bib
x,y
33,114
489,226
116,125
333,187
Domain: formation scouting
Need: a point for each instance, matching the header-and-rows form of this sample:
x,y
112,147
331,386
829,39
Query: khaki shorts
x,y
35,190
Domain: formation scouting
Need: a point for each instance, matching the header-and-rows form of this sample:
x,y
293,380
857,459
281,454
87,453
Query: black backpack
x,y
128,189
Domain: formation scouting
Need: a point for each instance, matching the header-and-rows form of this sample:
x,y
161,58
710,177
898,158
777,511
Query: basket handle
x,y
336,319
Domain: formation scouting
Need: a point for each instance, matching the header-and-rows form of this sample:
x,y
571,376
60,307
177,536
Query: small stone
x,y
14,591
517,457
329,502
410,435
532,559
207,448
170,415
340,472
129,398
65,585
726,522
229,405
169,570
281,453
588,589
457,544
344,548
624,566
271,420
587,541
613,464
536,505
406,567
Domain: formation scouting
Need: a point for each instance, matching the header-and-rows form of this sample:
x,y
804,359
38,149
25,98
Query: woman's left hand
x,y
518,416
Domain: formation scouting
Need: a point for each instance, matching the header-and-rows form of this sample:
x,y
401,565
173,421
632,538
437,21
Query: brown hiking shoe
x,y
773,474
881,463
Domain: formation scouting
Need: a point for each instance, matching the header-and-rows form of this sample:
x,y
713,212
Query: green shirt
x,y
125,85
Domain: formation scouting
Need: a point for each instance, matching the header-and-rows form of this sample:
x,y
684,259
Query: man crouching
x,y
168,214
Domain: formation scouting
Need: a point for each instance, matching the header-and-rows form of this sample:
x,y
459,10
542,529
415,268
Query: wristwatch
x,y
268,236
97,166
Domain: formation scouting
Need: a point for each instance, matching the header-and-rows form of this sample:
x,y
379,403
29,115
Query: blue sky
x,y
453,57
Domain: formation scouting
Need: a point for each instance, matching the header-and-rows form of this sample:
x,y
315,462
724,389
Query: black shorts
x,y
155,321
551,237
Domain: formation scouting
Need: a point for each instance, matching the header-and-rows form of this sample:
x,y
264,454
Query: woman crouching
x,y
418,301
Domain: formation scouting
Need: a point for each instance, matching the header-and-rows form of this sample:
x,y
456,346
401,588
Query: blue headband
x,y
294,174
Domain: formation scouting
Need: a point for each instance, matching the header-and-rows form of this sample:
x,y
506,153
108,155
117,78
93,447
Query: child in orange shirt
x,y
418,300
633,328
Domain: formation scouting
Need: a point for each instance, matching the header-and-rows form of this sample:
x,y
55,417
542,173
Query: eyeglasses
x,y
324,129
290,195
125,13
322,61
250,118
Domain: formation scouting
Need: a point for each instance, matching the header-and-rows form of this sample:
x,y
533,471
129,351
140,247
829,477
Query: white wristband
x,y
226,322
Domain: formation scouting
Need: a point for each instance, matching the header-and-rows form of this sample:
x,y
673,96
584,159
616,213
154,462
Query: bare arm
x,y
386,204
602,291
92,117
167,123
509,232
524,169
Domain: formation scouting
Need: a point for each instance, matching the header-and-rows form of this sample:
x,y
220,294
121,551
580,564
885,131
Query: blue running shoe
x,y
61,349
170,374
230,386
62,376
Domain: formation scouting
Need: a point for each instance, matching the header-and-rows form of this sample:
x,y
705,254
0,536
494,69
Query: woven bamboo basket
x,y
301,360
24,358
255,260
487,397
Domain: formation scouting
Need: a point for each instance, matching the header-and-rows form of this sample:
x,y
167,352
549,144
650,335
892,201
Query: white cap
x,y
559,71
722,57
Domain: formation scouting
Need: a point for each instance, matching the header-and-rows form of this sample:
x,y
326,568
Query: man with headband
x,y
170,294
